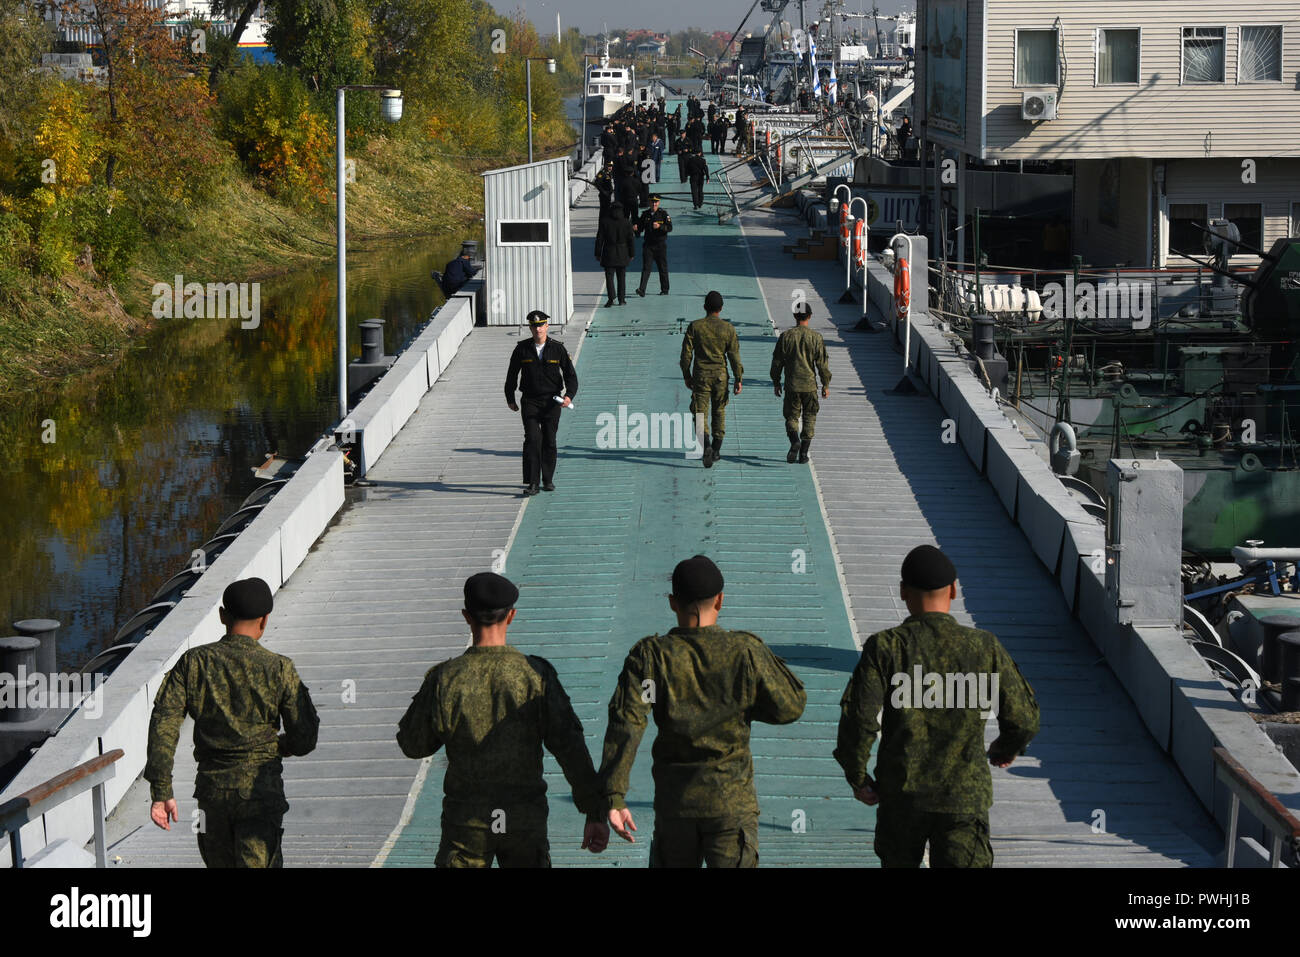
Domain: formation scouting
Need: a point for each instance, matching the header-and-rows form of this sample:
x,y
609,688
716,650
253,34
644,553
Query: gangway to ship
x,y
901,96
810,143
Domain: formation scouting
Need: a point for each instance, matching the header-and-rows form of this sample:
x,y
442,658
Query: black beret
x,y
927,569
713,303
696,578
247,599
537,318
488,591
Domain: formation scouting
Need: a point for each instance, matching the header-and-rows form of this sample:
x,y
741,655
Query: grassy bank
x,y
51,328
188,159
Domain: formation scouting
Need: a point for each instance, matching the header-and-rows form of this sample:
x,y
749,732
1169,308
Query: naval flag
x,y
812,59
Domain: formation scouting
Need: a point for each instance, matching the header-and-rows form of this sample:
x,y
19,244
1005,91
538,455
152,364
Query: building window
x,y
1036,63
1203,55
1260,59
1249,220
523,232
1183,236
1295,219
1117,56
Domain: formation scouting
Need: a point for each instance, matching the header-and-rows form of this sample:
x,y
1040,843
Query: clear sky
x,y
667,16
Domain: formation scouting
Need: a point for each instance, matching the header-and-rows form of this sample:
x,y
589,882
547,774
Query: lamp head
x,y
391,105
550,66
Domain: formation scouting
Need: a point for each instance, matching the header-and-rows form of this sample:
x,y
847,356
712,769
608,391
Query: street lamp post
x,y
528,69
582,124
392,112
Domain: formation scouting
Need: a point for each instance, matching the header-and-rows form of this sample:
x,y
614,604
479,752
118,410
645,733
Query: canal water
x,y
116,476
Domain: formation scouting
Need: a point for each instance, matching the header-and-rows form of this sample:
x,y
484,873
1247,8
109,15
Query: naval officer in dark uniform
x,y
542,369
654,226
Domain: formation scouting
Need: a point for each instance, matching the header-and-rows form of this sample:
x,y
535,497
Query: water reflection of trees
x,y
150,457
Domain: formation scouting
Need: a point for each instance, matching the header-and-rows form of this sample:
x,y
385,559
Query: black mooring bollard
x,y
1274,626
46,631
17,666
1288,646
372,341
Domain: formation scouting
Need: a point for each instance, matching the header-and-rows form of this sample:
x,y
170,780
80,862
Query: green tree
x,y
327,41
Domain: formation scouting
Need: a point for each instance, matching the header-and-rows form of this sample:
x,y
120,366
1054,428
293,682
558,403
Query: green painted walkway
x,y
594,558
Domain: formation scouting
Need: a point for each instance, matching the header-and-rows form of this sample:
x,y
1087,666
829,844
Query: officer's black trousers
x,y
656,253
541,420
615,278
697,191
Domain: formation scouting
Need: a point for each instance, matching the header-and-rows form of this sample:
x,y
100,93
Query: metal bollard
x,y
46,631
1274,627
985,347
372,341
17,666
1291,694
1288,647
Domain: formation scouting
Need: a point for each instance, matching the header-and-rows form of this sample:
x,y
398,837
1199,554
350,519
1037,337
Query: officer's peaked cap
x,y
247,599
537,318
927,569
696,578
488,591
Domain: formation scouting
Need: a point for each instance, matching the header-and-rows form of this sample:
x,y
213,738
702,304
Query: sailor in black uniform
x,y
541,367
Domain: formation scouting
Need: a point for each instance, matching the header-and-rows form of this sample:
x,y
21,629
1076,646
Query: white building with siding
x,y
1173,111
527,260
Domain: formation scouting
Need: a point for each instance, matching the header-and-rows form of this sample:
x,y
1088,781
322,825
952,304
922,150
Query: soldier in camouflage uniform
x,y
239,695
704,685
713,342
932,783
801,354
494,707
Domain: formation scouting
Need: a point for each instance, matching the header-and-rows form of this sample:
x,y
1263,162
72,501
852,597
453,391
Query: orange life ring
x,y
859,228
902,288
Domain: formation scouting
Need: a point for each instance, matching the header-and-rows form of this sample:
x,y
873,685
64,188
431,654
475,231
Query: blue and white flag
x,y
832,83
812,59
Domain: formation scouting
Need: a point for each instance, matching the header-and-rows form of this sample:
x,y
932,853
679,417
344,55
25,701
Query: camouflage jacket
x,y
239,694
932,677
801,354
493,708
713,342
704,687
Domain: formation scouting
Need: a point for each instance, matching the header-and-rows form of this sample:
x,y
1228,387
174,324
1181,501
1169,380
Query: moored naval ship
x,y
1170,365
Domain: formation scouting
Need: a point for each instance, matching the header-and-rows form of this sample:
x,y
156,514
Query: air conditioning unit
x,y
1038,105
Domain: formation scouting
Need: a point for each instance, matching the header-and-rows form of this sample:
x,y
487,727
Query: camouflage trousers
x,y
716,842
241,832
711,396
803,404
477,847
956,840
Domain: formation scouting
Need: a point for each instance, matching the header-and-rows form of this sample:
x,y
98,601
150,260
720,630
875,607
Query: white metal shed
x,y
528,263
